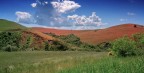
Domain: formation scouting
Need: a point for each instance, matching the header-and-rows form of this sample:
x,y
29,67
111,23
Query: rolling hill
x,y
98,36
88,36
38,38
9,25
58,31
6,25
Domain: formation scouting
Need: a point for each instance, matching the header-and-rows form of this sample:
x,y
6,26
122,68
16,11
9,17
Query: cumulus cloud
x,y
51,13
40,2
65,6
24,17
54,14
34,4
130,13
92,20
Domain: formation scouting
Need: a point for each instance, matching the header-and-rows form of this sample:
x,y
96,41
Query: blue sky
x,y
105,13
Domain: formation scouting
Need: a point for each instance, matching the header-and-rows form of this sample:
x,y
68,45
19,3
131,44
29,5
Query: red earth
x,y
98,36
38,38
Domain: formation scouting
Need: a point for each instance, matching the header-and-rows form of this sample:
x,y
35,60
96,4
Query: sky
x,y
73,14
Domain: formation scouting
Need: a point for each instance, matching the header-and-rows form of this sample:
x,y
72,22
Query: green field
x,y
68,62
9,25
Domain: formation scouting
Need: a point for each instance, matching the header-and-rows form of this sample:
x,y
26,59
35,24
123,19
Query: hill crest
x,y
9,25
99,36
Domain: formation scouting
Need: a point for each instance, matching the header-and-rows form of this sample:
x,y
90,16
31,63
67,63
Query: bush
x,y
55,46
10,38
10,48
72,39
47,46
58,46
139,39
104,46
28,43
123,47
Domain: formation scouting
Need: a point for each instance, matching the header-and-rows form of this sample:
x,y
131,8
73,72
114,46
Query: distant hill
x,y
112,33
9,25
99,36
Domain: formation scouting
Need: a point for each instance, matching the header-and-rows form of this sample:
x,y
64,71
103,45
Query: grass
x,y
9,25
110,65
43,62
68,62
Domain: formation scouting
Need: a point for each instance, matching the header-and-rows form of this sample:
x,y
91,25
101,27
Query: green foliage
x,y
71,39
139,39
58,46
55,46
10,48
104,46
10,38
123,47
28,43
47,46
75,43
88,47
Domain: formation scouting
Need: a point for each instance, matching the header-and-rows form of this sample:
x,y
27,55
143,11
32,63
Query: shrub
x,y
58,46
28,43
10,38
139,39
55,46
104,46
88,47
123,47
72,39
10,48
47,47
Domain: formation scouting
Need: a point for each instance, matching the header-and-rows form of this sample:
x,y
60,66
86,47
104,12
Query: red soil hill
x,y
98,36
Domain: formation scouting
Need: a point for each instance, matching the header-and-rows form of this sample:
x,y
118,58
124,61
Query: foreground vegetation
x,y
110,65
20,54
44,62
68,62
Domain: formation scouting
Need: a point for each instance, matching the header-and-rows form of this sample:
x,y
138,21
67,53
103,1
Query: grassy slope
x,y
9,25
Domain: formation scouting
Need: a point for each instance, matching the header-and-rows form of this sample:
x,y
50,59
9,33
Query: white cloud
x,y
131,14
24,17
92,20
34,5
123,20
65,6
54,14
46,2
39,2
